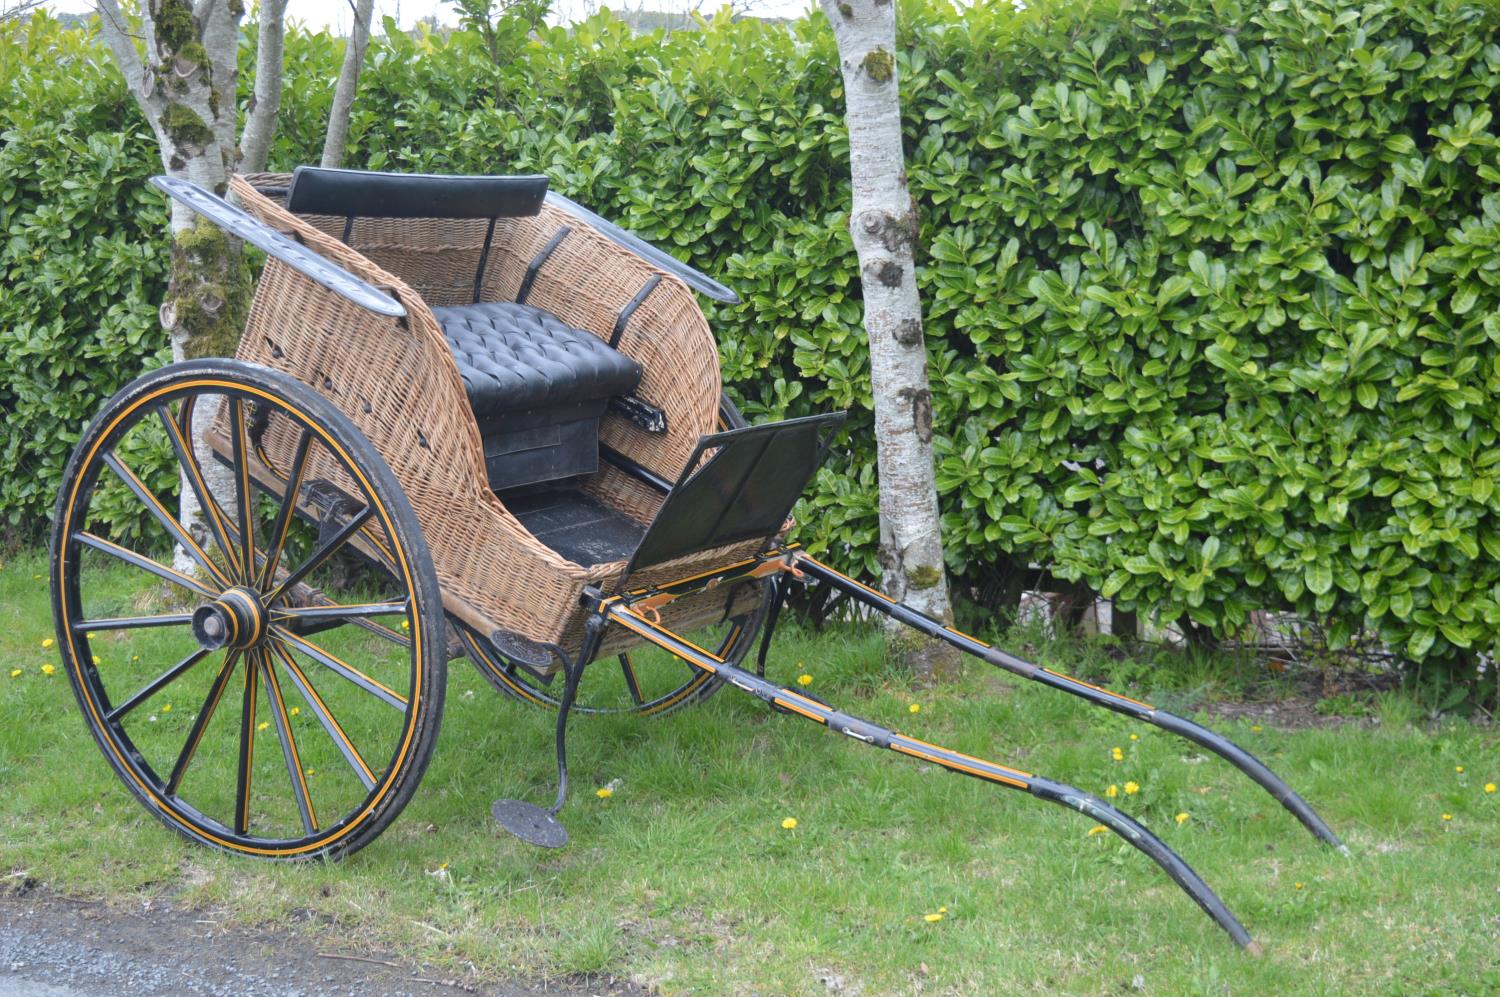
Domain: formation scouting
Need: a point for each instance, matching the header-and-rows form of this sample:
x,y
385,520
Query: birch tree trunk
x,y
260,125
184,79
343,94
883,224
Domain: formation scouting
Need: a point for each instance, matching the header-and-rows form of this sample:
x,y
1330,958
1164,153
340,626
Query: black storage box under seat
x,y
538,388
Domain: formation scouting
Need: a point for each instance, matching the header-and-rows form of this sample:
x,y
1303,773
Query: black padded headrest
x,y
367,194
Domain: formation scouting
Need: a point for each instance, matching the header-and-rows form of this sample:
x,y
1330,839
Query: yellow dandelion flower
x,y
1118,754
788,823
443,866
309,771
97,661
942,910
932,918
15,673
167,708
1255,727
604,792
1489,787
405,624
1459,769
296,710
1098,829
1181,818
804,679
914,708
1296,886
263,725
48,669
1131,788
1447,816
1135,737
1112,791
48,642
135,657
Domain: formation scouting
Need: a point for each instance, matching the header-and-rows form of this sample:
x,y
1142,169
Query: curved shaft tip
x,y
1137,835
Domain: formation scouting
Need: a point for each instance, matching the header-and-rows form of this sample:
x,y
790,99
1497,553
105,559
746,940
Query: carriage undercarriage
x,y
631,520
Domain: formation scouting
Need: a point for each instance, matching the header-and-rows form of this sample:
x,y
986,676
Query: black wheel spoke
x,y
350,612
213,514
631,682
277,540
325,717
325,550
145,564
166,519
229,581
157,684
210,704
133,622
247,747
288,740
244,495
339,667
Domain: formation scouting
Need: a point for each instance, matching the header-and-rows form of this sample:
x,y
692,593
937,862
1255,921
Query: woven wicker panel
x,y
397,381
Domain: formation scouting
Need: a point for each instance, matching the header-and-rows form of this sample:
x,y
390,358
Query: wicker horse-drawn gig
x,y
467,417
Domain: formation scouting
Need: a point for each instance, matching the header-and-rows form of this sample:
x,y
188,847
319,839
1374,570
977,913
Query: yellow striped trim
x,y
93,706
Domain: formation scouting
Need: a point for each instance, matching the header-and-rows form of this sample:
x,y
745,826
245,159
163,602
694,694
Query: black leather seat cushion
x,y
516,358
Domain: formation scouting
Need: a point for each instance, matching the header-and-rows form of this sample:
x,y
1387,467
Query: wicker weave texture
x,y
397,381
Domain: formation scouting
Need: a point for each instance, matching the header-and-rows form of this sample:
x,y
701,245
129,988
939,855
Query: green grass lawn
x,y
686,880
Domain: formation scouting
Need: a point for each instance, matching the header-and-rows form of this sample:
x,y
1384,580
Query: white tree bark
x,y
883,223
183,76
260,124
343,94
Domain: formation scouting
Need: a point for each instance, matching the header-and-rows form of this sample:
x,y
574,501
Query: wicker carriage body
x,y
397,380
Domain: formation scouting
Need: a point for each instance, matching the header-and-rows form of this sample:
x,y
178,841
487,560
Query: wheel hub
x,y
237,619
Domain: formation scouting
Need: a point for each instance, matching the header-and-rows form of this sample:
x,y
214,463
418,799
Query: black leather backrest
x,y
367,194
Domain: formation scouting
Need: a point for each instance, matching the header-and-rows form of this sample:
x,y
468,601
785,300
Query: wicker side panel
x,y
400,386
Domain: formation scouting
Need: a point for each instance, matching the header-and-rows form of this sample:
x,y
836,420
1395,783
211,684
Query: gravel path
x,y
56,947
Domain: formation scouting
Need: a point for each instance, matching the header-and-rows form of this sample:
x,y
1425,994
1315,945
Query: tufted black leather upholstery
x,y
515,358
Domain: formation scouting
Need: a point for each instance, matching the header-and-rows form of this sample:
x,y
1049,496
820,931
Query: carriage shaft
x,y
1219,745
619,611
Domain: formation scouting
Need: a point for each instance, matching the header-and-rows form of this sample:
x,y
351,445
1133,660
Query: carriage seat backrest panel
x,y
367,194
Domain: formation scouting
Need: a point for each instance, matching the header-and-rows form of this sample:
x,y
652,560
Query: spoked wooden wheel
x,y
256,688
646,681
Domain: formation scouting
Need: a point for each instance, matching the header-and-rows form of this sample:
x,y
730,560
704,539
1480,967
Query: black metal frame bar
x,y
535,266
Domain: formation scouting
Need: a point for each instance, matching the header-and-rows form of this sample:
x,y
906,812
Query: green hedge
x,y
1210,285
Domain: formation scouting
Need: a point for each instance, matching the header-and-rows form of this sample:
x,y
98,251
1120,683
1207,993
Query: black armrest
x,y
697,280
306,262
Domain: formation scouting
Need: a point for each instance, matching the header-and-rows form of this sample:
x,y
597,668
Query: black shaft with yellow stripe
x,y
1219,745
787,700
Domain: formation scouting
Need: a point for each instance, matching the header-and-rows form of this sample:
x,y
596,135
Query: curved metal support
x,y
874,735
696,279
1221,746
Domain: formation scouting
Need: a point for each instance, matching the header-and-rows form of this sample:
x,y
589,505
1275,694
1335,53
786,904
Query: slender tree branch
x,y
260,123
343,95
121,42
